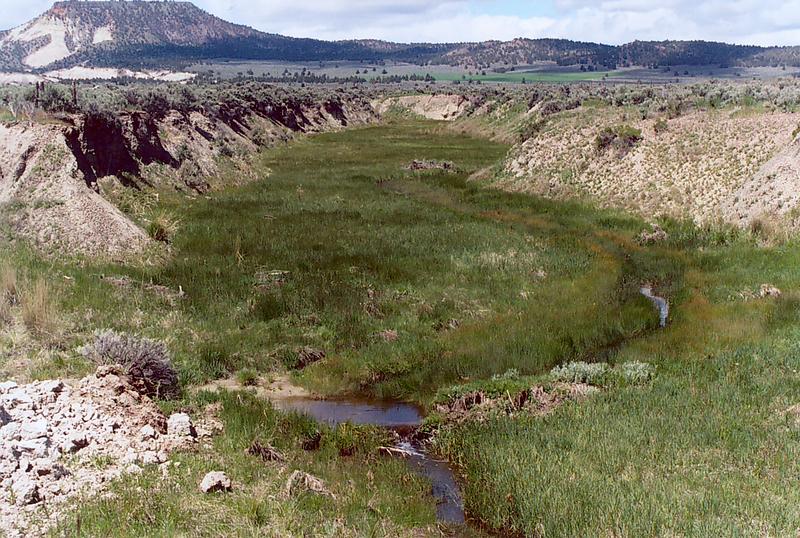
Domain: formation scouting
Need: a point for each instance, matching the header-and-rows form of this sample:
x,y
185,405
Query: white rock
x,y
51,386
151,457
24,489
147,432
180,424
6,386
75,442
34,429
133,469
36,448
215,481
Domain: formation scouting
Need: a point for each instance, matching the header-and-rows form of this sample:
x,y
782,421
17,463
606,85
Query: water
x,y
397,416
391,415
660,303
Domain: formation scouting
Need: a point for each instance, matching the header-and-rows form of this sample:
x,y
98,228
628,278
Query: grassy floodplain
x,y
362,246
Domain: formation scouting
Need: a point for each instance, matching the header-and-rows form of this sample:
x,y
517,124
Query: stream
x,y
660,303
403,418
399,417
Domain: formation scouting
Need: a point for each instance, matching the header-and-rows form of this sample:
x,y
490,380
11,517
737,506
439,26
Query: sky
x,y
758,22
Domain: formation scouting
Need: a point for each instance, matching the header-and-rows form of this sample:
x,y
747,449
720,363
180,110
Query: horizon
x,y
770,23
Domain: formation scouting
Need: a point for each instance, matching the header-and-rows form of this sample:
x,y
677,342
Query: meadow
x,y
337,245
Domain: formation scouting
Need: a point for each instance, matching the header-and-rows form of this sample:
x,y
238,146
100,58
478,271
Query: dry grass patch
x,y
9,291
5,313
38,310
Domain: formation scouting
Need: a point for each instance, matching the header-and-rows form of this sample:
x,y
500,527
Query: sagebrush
x,y
146,361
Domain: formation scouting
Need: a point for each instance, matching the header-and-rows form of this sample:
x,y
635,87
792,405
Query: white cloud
x,y
763,22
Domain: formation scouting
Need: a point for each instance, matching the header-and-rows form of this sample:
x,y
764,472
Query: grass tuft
x,y
38,309
247,377
9,291
163,226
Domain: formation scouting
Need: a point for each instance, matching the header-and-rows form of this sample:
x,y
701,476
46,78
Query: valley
x,y
259,285
435,288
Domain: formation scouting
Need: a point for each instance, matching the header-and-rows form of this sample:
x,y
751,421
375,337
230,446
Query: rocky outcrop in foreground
x,y
53,434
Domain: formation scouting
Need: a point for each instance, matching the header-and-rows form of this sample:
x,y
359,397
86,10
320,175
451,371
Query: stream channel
x,y
403,418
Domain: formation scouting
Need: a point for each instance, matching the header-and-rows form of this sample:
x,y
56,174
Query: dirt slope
x,y
694,167
432,107
46,198
773,193
51,171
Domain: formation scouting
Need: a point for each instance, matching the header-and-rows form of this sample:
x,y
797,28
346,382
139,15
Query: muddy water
x,y
400,417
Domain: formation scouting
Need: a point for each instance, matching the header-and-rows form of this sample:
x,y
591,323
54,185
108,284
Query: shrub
x,y
55,99
622,138
660,126
38,313
580,372
636,373
247,377
508,375
162,227
146,361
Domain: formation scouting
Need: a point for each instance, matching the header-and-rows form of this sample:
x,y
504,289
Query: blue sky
x,y
762,22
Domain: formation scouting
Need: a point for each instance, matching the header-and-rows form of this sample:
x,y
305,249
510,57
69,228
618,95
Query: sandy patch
x,y
432,107
277,388
50,202
103,34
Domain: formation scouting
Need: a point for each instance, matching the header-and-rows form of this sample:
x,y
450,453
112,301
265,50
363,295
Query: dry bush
x,y
5,313
163,226
9,291
38,312
146,361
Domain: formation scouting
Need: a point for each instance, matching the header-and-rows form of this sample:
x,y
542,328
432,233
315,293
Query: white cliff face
x,y
53,38
103,35
54,30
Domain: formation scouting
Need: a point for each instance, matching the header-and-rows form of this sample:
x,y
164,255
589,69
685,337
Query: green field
x,y
518,77
704,449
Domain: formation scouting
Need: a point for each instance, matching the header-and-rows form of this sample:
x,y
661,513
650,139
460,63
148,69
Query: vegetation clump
x,y
162,227
38,311
622,138
580,372
146,361
636,372
601,374
247,377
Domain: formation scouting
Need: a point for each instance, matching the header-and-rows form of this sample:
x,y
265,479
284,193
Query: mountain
x,y
140,33
164,34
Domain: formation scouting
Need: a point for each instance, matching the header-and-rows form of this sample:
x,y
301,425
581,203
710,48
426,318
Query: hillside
x,y
146,33
156,34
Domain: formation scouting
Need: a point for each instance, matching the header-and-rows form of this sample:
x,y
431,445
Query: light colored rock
x,y
34,429
25,490
180,425
58,441
215,481
301,482
147,432
133,469
6,386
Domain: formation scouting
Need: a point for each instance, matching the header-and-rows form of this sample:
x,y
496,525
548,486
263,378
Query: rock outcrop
x,y
53,434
